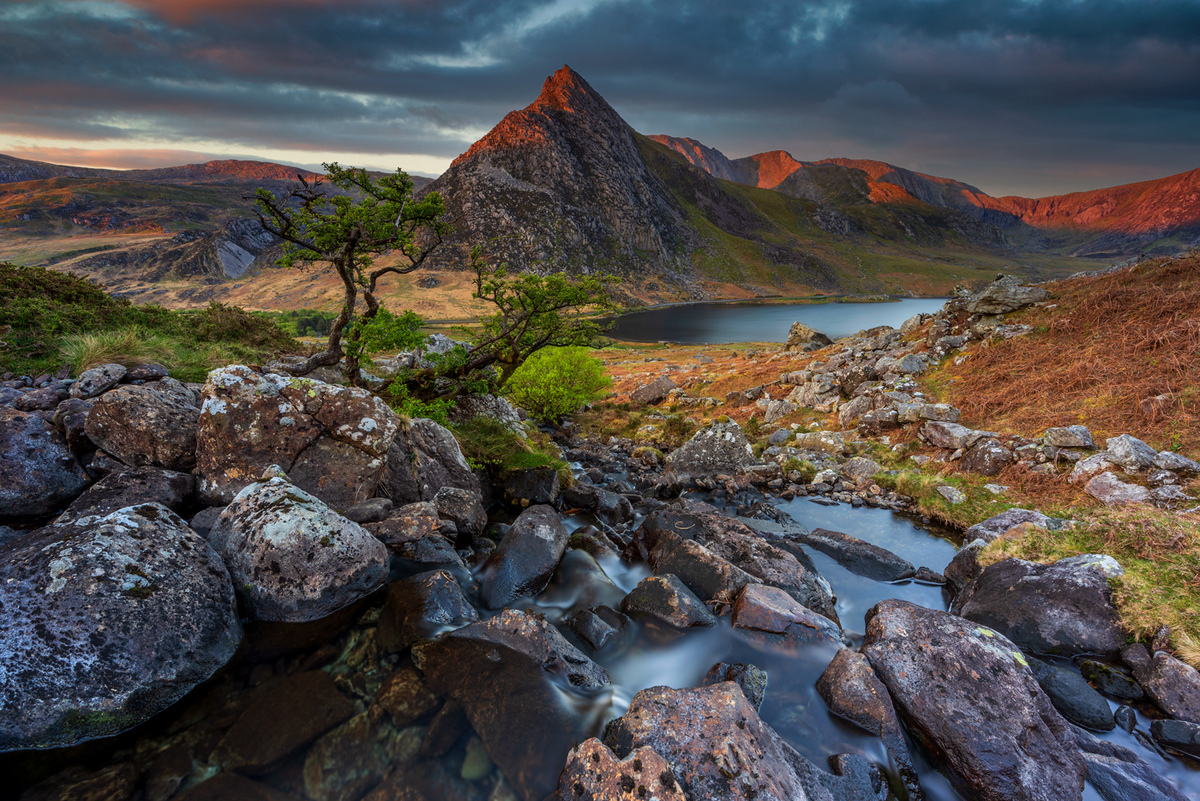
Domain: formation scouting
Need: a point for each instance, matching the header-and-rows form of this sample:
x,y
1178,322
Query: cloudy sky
x,y
1030,97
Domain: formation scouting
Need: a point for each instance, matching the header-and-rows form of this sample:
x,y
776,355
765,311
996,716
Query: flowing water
x,y
708,323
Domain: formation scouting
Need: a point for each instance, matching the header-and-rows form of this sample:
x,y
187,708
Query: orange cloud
x,y
113,159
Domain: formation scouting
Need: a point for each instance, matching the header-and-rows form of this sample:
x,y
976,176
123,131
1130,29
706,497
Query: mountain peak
x,y
566,90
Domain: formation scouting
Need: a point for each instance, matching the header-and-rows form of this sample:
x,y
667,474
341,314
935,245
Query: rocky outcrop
x,y
38,473
291,557
998,740
1062,609
107,621
510,673
331,440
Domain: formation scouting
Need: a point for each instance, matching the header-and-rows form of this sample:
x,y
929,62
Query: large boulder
x,y
720,448
990,530
669,601
1062,609
1172,684
331,440
721,750
1110,490
423,458
987,457
38,473
133,487
293,558
511,674
1131,453
952,436
525,559
107,621
999,738
805,338
654,392
1004,295
142,427
769,616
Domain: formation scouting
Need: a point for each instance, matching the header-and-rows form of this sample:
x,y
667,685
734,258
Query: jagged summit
x,y
566,90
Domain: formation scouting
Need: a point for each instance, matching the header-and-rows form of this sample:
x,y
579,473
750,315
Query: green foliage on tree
x,y
349,229
555,382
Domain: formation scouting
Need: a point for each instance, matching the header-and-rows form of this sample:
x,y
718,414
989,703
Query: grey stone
x,y
1072,696
1004,295
1070,437
97,380
38,473
1119,774
1177,463
291,557
769,616
1110,490
858,556
371,510
952,436
805,338
107,621
654,392
1179,735
1174,686
953,495
1131,453
720,448
991,529
1112,680
987,457
860,467
666,599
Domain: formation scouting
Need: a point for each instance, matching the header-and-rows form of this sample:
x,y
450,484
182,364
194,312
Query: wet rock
x,y
1070,437
530,486
407,524
291,557
97,380
525,559
38,473
858,556
1178,735
510,673
1126,718
805,338
769,615
665,598
1061,609
405,697
712,578
464,509
964,567
752,680
372,510
133,487
283,718
1111,490
424,459
1005,295
1113,681
232,787
1119,774
654,392
991,529
143,427
135,597
331,440
421,607
448,726
351,759
929,576
952,436
1130,453
593,773
432,550
1072,696
608,506
721,750
852,691
987,458
598,626
720,448
998,740
77,784
1174,686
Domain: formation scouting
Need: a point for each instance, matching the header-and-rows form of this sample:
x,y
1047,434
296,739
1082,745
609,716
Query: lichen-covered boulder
x,y
1004,295
1062,609
38,473
106,621
424,458
133,487
969,697
331,440
142,427
291,557
720,448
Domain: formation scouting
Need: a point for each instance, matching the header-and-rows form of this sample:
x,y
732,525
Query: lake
x,y
710,323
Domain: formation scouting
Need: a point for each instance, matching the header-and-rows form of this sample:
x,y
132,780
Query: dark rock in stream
x,y
420,607
510,673
525,559
1062,609
291,557
712,578
38,473
858,556
769,616
999,739
430,550
1174,686
598,626
608,506
752,680
131,487
593,773
107,622
1119,774
282,719
665,598
351,759
1073,696
852,691
530,486
405,697
1179,735
720,749
464,509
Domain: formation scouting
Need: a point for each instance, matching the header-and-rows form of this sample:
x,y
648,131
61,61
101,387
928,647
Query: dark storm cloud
x,y
1029,97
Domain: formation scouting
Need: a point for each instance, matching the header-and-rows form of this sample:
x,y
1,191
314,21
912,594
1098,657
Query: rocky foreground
x,y
150,524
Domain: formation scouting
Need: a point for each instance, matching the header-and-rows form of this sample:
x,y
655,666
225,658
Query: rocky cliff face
x,y
561,184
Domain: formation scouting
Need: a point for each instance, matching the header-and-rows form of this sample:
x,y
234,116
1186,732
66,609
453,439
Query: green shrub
x,y
807,470
407,405
493,446
555,382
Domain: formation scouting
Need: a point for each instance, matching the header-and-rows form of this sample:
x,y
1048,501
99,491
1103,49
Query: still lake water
x,y
710,323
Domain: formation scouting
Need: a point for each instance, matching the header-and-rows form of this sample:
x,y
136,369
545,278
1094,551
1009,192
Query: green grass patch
x,y
922,488
491,445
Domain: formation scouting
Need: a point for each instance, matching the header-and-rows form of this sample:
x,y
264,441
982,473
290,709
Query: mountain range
x,y
566,183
